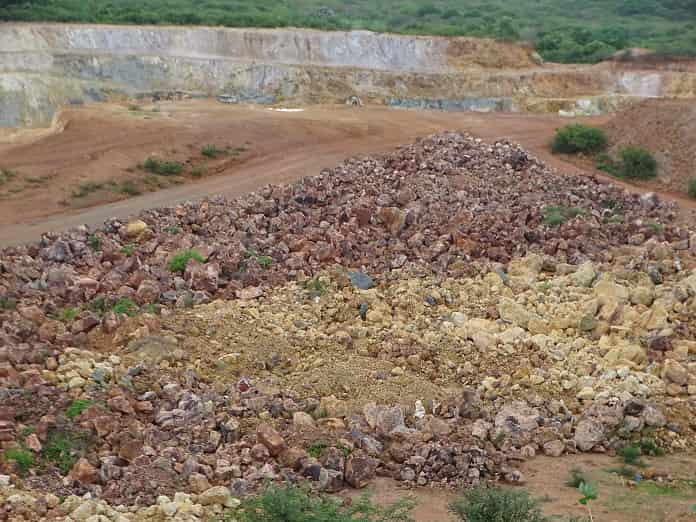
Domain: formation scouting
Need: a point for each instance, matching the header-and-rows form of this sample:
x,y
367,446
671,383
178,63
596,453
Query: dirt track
x,y
100,143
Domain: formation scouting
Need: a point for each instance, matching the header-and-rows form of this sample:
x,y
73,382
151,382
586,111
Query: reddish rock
x,y
270,438
84,472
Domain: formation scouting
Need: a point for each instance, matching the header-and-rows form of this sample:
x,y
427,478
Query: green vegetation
x,y
199,171
128,250
265,262
76,408
6,176
180,260
125,306
630,455
562,30
575,478
86,188
483,504
691,189
555,215
210,151
577,138
68,314
174,230
21,457
162,167
61,450
315,286
588,493
130,189
8,303
632,163
94,242
293,504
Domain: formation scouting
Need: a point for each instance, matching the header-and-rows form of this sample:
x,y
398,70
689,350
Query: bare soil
x,y
102,144
667,499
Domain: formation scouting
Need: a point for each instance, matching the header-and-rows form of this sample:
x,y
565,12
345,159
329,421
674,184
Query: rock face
x,y
293,65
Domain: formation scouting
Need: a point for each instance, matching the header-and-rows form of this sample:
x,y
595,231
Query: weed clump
x,y
555,215
125,306
577,138
162,167
23,458
293,504
483,504
76,408
180,260
210,151
691,189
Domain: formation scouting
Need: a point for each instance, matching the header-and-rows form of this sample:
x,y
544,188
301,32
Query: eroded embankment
x,y
46,66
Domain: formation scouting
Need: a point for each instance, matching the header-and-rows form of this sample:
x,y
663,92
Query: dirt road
x,y
100,145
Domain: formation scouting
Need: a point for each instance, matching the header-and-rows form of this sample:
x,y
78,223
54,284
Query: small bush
x,y
576,477
315,449
76,408
23,458
94,242
555,215
98,305
630,455
8,303
293,504
7,175
264,262
130,189
210,151
691,189
128,250
175,231
577,138
162,167
482,504
68,314
648,446
60,449
636,163
179,261
86,188
199,171
125,306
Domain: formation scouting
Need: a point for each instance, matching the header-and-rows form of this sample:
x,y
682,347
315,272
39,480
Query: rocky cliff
x,y
46,66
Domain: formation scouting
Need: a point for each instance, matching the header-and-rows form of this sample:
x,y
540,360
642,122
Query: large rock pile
x,y
432,315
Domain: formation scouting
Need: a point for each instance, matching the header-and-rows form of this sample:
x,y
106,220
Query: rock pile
x,y
432,315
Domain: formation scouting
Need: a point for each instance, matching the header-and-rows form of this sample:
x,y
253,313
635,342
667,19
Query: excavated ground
x,y
437,316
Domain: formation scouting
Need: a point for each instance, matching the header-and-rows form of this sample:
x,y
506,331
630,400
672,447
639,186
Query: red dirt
x,y
99,143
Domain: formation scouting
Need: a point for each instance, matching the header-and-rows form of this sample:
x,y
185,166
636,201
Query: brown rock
x,y
83,472
360,471
270,438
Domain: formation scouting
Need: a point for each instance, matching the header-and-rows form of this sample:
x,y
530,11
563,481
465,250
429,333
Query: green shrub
x,y
264,262
61,450
23,458
180,260
199,171
483,504
68,314
691,189
7,175
293,504
555,215
128,250
162,167
630,455
210,151
86,188
175,231
130,189
575,478
8,303
76,408
577,138
315,449
125,306
94,242
636,163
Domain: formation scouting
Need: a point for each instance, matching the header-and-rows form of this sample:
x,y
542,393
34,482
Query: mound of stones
x,y
145,432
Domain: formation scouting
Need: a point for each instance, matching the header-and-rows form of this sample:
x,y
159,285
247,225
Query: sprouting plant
x,y
630,455
316,448
68,314
77,407
125,306
575,478
94,242
23,458
264,262
180,260
589,493
128,250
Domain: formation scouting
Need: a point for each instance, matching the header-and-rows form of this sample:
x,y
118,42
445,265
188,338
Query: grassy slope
x,y
564,30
